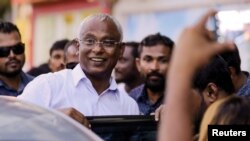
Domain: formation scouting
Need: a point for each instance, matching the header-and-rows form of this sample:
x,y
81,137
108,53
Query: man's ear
x,y
212,92
138,65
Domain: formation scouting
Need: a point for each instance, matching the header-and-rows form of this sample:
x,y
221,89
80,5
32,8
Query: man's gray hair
x,y
102,17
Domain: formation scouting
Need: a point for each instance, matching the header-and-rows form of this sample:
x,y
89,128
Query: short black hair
x,y
8,27
216,72
134,45
155,39
58,45
232,57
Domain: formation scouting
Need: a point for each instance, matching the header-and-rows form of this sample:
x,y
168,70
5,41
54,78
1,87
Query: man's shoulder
x,y
27,77
127,100
42,69
137,91
49,82
245,89
58,77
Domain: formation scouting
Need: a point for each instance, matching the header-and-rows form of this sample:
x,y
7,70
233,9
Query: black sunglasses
x,y
17,49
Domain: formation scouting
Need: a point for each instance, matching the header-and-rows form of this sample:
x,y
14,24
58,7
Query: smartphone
x,y
214,26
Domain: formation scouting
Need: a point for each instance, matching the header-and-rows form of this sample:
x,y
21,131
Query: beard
x,y
156,85
11,74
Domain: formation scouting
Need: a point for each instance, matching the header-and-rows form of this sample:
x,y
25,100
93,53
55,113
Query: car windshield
x,y
24,121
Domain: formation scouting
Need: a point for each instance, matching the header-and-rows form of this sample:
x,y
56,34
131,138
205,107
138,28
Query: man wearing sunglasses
x,y
12,58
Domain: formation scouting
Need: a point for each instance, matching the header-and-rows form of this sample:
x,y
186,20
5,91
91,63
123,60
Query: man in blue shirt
x,y
154,56
12,58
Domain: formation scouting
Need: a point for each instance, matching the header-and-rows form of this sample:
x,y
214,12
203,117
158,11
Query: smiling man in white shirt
x,y
89,87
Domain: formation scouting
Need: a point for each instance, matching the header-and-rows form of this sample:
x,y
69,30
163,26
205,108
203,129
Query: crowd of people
x,y
187,85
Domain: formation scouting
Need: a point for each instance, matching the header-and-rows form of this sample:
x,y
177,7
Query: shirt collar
x,y
113,85
142,93
78,75
144,97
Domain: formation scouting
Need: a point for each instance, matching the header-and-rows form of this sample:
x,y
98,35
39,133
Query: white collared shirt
x,y
71,88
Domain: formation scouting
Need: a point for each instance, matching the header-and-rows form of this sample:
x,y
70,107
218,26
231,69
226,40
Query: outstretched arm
x,y
194,48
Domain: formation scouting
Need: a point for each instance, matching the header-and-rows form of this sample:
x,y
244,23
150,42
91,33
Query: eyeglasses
x,y
104,43
17,49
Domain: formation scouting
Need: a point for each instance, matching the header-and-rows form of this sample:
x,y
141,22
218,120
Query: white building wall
x,y
142,17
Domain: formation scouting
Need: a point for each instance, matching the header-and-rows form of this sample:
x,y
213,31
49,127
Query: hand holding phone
x,y
213,25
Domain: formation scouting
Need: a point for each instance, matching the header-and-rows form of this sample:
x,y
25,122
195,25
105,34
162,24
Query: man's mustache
x,y
156,74
13,60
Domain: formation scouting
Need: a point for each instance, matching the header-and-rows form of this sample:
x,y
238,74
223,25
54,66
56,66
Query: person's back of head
x,y
212,82
232,57
233,110
215,72
56,60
